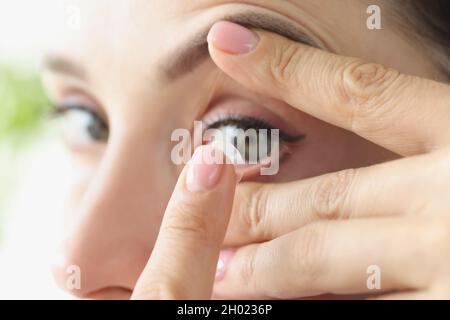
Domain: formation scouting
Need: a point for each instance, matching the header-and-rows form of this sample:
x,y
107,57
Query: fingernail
x,y
223,262
232,38
202,175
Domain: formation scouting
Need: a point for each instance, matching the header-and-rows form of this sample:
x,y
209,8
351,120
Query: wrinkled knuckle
x,y
253,212
331,195
310,254
364,82
247,269
364,88
285,63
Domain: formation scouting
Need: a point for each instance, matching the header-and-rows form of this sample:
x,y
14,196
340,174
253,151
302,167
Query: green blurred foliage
x,y
22,102
23,109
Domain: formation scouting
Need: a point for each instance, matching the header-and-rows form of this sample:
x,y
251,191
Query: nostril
x,y
110,293
69,279
85,285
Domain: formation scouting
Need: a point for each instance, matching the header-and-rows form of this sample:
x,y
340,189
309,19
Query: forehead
x,y
116,39
155,27
137,20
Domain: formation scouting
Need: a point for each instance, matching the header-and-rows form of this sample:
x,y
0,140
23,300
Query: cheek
x,y
80,176
114,210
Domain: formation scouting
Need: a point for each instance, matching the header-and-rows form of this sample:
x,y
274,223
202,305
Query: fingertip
x,y
212,165
203,175
232,38
243,54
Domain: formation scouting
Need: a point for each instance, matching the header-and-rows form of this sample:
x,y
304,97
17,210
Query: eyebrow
x,y
59,64
195,51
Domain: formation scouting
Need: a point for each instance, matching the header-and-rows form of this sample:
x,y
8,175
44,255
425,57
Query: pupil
x,y
96,130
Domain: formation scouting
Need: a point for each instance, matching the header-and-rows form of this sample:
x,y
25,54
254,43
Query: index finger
x,y
405,114
184,259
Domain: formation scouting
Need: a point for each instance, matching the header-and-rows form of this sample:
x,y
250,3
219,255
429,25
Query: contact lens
x,y
232,154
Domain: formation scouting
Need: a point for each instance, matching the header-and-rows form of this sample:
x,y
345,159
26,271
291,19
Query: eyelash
x,y
247,148
245,123
59,110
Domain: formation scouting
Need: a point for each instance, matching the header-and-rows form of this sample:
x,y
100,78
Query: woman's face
x,y
134,71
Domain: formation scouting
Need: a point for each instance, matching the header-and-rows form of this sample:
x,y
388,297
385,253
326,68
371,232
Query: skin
x,y
397,210
118,200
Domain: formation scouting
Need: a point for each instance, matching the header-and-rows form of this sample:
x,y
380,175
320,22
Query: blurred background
x,y
32,165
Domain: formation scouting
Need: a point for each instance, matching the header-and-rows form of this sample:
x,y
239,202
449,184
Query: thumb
x,y
184,259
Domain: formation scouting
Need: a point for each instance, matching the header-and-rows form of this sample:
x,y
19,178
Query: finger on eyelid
x,y
374,101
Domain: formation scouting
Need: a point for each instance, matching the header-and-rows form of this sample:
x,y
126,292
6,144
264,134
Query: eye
x,y
81,125
254,138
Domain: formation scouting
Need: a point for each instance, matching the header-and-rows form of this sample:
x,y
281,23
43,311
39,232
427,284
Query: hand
x,y
184,259
319,235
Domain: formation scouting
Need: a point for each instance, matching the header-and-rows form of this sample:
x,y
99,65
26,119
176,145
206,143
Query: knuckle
x,y
254,210
364,82
309,254
364,87
284,64
247,270
331,195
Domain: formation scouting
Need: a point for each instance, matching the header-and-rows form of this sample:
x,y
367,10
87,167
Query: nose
x,y
114,227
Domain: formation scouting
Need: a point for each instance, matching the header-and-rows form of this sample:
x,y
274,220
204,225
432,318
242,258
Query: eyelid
x,y
62,108
268,110
75,99
75,96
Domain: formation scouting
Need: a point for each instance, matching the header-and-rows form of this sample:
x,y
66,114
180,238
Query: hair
x,y
430,21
